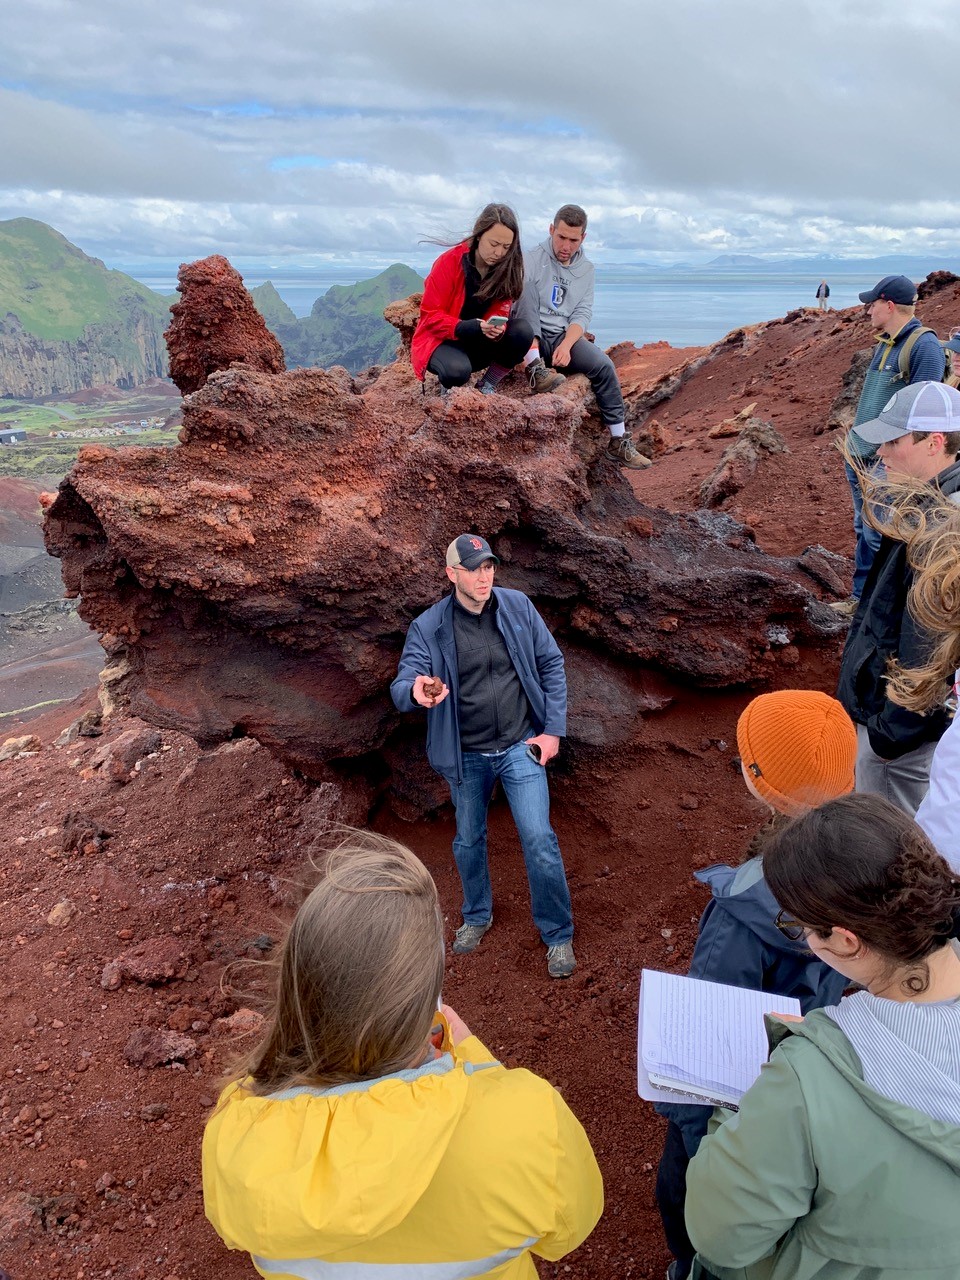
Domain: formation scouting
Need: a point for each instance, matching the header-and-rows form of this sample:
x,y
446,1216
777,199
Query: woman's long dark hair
x,y
504,282
860,863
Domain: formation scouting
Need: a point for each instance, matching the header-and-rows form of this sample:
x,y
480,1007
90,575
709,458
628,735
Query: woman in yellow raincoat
x,y
350,1145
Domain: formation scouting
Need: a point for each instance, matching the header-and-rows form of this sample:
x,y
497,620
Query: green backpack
x,y
903,361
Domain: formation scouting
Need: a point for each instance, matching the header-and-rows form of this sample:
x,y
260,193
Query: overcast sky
x,y
352,128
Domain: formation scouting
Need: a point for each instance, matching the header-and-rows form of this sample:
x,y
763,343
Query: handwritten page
x,y
703,1038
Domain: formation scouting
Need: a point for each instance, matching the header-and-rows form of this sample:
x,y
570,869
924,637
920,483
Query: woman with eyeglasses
x,y
843,1162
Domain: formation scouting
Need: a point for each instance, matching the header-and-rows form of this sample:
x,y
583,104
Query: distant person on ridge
x,y
823,293
467,319
905,353
489,675
558,303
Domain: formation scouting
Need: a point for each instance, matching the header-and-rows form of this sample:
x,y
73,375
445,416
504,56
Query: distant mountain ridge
x,y
271,306
67,322
345,326
914,265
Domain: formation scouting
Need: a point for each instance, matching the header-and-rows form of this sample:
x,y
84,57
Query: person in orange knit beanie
x,y
798,748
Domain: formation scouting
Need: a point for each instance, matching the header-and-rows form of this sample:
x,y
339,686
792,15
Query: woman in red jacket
x,y
465,321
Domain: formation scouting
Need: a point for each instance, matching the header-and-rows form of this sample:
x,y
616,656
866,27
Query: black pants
x,y
455,360
587,358
671,1193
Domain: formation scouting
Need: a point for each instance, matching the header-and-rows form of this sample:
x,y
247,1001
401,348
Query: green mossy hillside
x,y
55,290
346,325
271,306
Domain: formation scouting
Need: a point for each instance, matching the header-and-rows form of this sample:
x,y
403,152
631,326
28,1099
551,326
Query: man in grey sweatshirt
x,y
558,301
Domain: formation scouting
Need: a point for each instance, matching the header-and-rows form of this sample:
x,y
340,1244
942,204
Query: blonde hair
x,y
358,975
878,507
931,530
917,514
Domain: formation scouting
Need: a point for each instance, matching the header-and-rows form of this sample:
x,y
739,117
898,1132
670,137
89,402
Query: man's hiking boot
x,y
544,379
468,936
561,961
846,608
622,451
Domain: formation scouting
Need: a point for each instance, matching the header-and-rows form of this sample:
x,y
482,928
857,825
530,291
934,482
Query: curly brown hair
x,y
860,863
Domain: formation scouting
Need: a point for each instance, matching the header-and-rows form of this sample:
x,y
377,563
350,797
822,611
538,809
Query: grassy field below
x,y
57,429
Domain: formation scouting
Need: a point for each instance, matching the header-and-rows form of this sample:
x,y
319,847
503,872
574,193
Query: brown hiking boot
x,y
544,379
846,608
621,450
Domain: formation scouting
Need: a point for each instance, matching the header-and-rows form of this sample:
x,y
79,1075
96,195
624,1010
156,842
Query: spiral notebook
x,y
701,1042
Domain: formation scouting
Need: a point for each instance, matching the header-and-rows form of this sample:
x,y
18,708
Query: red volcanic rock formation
x,y
755,439
215,325
259,578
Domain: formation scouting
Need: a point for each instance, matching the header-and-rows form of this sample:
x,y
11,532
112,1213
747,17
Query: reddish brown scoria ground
x,y
190,859
102,1169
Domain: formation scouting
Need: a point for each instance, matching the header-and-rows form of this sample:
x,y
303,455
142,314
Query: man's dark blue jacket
x,y
430,650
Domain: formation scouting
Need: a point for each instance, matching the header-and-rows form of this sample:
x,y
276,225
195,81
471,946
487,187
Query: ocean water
x,y
693,308
635,304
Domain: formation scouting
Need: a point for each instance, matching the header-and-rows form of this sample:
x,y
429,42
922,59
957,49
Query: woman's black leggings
x,y
455,360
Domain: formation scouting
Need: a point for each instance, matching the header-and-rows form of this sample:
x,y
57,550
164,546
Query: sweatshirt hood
x,y
909,1051
857,1055
309,1172
743,892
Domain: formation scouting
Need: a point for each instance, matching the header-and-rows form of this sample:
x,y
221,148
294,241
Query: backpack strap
x,y
903,360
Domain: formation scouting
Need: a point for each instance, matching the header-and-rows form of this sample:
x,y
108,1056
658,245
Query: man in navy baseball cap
x,y
470,551
905,353
897,289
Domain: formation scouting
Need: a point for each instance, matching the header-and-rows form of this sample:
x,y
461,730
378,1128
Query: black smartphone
x,y
533,751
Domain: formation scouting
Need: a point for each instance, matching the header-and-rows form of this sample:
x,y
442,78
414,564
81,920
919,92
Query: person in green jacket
x,y
843,1162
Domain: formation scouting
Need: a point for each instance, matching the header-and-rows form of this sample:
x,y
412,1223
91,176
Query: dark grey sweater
x,y
494,711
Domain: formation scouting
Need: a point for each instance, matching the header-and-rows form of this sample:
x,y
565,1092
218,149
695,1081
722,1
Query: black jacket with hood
x,y
883,628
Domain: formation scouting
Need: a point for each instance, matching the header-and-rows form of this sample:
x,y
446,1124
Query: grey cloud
x,y
748,124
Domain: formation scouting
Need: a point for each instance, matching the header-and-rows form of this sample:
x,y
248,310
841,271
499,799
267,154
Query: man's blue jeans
x,y
524,784
868,539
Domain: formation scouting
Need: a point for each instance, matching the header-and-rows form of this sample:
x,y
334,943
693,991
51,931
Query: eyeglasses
x,y
791,928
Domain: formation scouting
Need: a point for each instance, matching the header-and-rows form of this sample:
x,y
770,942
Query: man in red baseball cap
x,y
489,675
